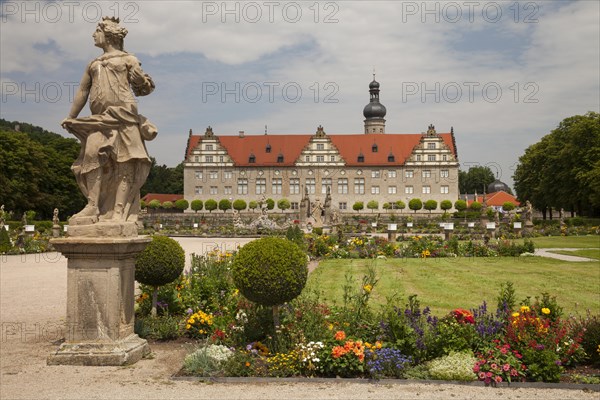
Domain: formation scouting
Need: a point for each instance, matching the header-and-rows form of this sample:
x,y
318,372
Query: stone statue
x,y
528,211
113,162
2,220
561,216
316,212
497,217
55,220
24,220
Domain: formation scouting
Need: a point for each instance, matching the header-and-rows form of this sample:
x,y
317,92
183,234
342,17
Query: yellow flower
x,y
515,314
188,326
368,288
545,311
378,344
330,327
524,309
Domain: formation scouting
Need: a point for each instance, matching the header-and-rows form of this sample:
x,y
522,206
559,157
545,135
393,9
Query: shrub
x,y
415,204
253,205
163,327
270,204
460,205
210,205
224,205
5,244
270,271
154,204
167,205
446,205
239,205
400,205
373,205
359,205
161,262
453,367
182,204
197,205
430,205
476,206
207,361
591,338
283,204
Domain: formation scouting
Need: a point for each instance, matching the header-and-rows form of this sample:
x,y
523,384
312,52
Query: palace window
x,y
268,148
392,189
374,148
294,205
343,205
320,146
208,159
326,183
307,158
431,157
332,158
198,190
444,189
228,190
409,190
276,185
426,173
213,174
431,146
409,174
214,190
280,158
374,189
426,189
418,157
361,158
198,174
295,186
252,159
444,158
242,186
392,173
444,173
375,174
196,158
342,184
310,185
391,158
208,147
261,185
320,159
359,185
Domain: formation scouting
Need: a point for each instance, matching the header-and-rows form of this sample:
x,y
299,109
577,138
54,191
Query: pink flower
x,y
513,372
494,366
506,367
476,368
488,374
503,350
482,375
498,379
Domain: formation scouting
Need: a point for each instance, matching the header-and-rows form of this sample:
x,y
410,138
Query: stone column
x,y
100,301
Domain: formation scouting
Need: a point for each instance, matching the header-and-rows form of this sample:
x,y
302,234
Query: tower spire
x,y
374,112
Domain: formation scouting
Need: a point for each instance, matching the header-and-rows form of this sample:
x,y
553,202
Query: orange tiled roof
x,y
291,146
161,197
496,199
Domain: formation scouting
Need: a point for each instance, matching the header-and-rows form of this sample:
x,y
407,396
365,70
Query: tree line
x,y
562,170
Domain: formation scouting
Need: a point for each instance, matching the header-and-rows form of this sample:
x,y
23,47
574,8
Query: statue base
x,y
122,352
103,229
100,301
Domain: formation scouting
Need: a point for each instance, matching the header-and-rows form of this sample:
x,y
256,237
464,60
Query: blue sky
x,y
538,62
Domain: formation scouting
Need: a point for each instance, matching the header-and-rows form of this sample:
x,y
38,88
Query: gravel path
x,y
549,253
32,313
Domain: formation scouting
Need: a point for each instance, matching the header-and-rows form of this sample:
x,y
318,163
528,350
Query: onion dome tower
x,y
374,112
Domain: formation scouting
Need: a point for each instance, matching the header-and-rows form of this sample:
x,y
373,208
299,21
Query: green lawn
x,y
448,283
583,242
589,253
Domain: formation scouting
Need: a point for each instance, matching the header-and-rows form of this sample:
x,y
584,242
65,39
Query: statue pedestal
x,y
100,301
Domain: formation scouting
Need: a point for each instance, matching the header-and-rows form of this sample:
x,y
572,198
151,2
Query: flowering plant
x,y
463,316
385,362
199,324
308,355
344,357
498,364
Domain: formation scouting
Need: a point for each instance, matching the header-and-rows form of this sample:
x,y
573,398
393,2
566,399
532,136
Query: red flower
x,y
463,316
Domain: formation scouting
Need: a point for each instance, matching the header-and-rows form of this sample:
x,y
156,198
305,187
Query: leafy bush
x,y
453,367
182,204
239,204
163,327
270,271
210,205
207,360
5,244
386,363
161,262
197,205
591,338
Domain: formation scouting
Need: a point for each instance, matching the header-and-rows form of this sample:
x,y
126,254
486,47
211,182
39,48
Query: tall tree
x,y
476,179
562,170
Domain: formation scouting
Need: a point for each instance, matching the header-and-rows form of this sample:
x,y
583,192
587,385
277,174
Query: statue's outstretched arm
x,y
141,83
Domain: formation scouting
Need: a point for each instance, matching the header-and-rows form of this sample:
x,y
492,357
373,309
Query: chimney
x,y
241,134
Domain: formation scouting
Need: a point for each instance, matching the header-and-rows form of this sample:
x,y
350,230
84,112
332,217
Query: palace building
x,y
374,165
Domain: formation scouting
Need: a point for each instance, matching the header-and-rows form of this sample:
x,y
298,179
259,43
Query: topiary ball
x,y
270,271
161,262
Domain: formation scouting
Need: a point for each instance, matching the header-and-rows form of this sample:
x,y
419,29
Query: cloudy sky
x,y
503,74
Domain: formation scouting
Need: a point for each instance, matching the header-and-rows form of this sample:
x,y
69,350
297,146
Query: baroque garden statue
x,y
113,162
103,241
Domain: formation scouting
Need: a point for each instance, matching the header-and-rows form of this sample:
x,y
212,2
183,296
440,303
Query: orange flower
x,y
247,363
338,351
340,335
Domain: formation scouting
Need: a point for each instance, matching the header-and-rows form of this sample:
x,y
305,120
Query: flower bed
x,y
531,341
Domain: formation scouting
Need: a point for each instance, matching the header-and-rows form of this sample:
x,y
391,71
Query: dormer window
x,y
374,148
280,158
391,158
361,158
252,158
268,148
